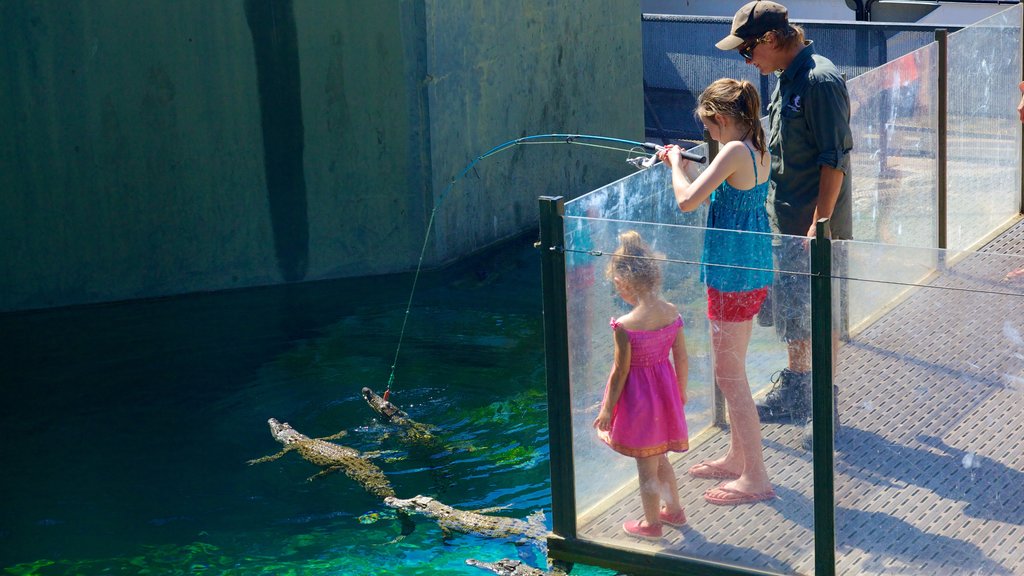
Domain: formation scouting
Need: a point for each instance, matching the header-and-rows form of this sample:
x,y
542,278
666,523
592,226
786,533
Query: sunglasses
x,y
746,50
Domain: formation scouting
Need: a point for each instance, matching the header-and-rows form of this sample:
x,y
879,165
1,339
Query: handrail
x,y
842,24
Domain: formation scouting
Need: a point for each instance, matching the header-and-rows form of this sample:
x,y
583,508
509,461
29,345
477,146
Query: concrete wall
x,y
367,166
130,159
500,70
154,148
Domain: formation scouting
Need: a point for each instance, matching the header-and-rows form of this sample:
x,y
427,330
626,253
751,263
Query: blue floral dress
x,y
738,262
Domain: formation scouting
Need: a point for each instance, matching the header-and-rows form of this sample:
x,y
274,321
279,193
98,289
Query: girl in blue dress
x,y
736,269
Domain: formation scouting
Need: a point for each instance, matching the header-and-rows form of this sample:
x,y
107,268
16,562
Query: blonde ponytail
x,y
736,99
634,262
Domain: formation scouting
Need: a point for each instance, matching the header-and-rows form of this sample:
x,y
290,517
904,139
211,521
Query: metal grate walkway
x,y
929,460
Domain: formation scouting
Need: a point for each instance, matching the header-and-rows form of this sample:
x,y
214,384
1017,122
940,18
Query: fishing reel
x,y
644,162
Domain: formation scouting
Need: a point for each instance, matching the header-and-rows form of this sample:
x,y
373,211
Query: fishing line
x,y
640,162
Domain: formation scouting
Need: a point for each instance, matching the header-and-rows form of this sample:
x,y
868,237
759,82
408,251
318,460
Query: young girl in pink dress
x,y
642,411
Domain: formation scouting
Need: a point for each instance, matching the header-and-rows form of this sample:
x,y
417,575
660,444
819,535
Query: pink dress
x,y
648,419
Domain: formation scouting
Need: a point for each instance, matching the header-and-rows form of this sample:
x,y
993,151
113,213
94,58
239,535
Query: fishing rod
x,y
577,138
638,162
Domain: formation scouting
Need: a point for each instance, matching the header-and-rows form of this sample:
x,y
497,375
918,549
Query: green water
x,y
126,427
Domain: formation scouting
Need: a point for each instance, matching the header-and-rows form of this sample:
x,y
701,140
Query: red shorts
x,y
735,306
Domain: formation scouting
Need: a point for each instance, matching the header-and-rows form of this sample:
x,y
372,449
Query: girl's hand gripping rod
x,y
656,150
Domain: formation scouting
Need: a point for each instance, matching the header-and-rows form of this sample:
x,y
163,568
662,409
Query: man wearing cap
x,y
810,141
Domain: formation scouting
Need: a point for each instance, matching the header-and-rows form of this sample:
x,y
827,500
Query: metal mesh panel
x,y
680,59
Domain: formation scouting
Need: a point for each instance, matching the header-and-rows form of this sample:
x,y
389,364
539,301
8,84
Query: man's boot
x,y
788,400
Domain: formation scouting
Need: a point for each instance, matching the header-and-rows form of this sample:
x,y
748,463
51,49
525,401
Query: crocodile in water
x,y
532,530
414,431
418,437
507,567
330,456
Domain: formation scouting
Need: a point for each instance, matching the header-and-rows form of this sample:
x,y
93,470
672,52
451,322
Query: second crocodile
x,y
414,431
332,457
529,531
507,567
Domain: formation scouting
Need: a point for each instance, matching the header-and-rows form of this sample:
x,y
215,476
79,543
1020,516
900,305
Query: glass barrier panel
x,y
984,131
593,302
644,196
775,534
928,462
895,171
867,302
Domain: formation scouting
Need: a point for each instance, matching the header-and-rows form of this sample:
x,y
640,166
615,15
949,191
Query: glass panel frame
x,y
894,119
929,392
873,279
984,146
605,481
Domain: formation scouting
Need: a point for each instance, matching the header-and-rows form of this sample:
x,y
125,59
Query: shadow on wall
x,y
274,39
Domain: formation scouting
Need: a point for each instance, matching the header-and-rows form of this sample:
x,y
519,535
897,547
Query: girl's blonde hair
x,y
735,99
634,263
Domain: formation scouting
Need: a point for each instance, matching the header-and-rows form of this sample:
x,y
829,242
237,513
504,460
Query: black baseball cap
x,y
752,21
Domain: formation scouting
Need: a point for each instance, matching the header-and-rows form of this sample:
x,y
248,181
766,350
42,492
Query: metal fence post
x,y
942,37
556,356
822,401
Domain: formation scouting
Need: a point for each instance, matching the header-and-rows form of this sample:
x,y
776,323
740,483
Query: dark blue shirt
x,y
809,127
